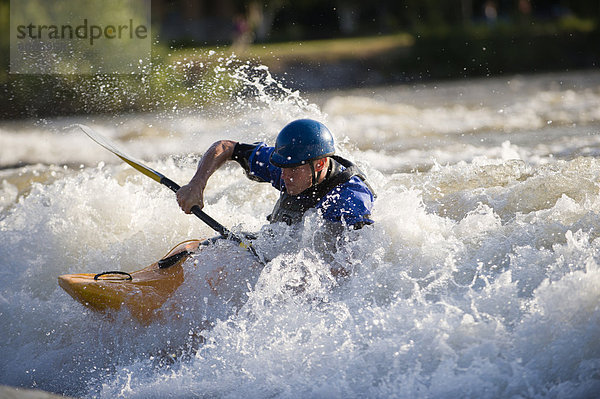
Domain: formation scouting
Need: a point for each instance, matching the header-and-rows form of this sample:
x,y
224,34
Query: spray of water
x,y
479,279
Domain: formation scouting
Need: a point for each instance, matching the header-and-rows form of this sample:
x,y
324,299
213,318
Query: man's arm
x,y
193,193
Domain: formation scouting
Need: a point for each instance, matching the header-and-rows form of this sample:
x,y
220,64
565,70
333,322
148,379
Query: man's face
x,y
297,179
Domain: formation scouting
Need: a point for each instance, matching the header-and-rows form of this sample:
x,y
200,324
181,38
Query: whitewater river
x,y
479,279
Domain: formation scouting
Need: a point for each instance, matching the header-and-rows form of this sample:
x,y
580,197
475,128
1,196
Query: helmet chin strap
x,y
315,175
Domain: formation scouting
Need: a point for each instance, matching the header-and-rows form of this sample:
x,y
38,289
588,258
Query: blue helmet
x,y
301,141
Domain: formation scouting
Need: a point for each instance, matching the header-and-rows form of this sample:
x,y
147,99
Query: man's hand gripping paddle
x,y
151,173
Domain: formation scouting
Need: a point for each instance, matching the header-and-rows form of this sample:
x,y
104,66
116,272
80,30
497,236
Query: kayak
x,y
212,280
141,292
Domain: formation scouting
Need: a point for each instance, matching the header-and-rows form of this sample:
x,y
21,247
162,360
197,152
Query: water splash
x,y
479,278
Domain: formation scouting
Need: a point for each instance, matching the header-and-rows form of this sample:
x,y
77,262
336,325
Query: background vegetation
x,y
317,44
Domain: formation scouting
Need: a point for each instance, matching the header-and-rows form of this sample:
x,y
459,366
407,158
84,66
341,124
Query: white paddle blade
x,y
103,141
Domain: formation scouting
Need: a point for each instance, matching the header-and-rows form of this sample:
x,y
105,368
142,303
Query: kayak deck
x,y
141,292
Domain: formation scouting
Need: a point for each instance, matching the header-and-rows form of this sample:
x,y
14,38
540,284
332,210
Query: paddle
x,y
162,179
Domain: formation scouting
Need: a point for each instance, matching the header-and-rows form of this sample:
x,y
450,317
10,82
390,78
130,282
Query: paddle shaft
x,y
162,179
218,227
212,223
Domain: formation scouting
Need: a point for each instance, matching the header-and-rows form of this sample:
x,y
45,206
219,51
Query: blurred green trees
x,y
419,39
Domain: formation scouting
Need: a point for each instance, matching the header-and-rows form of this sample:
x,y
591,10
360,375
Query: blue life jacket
x,y
344,195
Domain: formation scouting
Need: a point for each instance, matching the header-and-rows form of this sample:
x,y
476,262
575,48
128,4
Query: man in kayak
x,y
302,166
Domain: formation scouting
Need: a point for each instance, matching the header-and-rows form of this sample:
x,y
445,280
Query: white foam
x,y
479,279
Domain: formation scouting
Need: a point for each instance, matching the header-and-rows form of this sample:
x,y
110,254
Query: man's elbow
x,y
224,147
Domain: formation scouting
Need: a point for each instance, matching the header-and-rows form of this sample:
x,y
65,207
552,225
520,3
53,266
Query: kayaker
x,y
302,166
